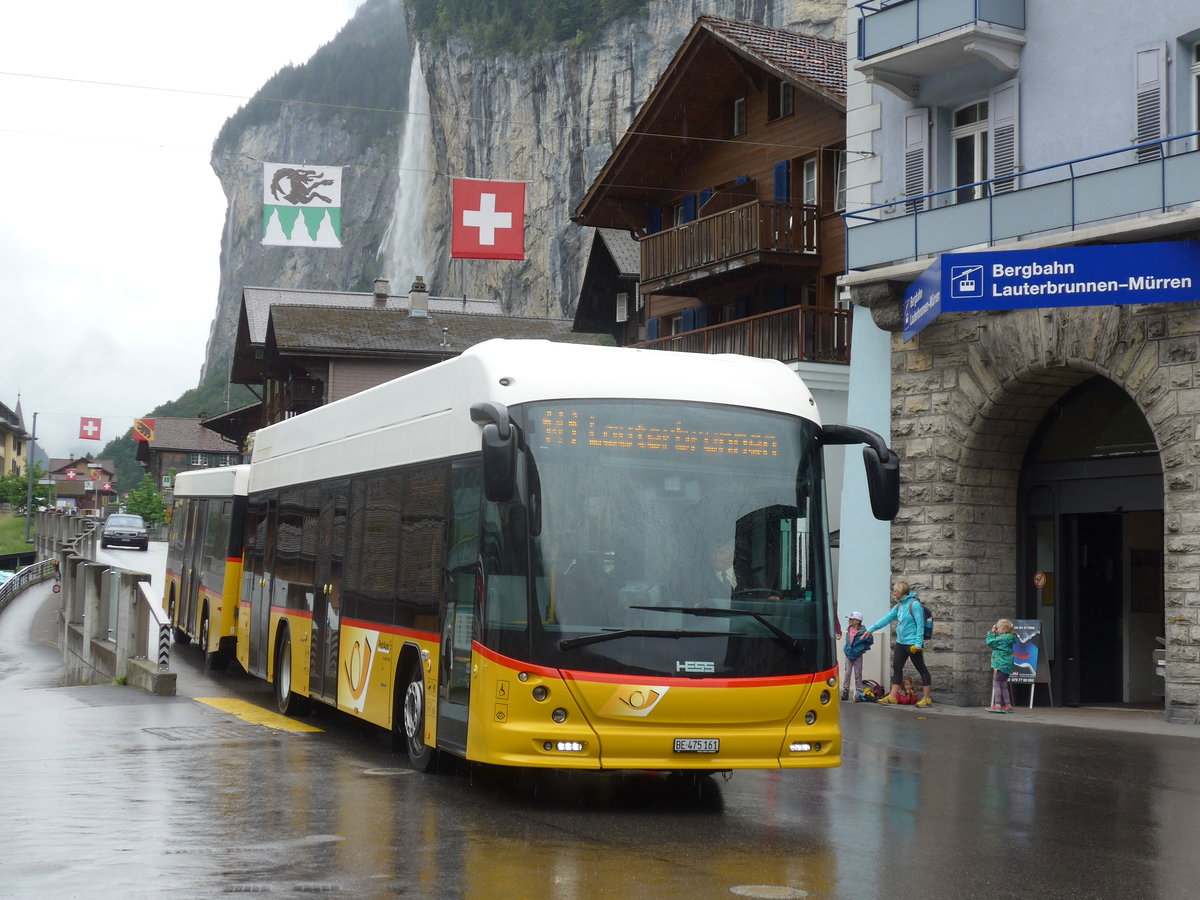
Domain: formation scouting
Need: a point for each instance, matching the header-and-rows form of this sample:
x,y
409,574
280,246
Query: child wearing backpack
x,y
858,642
912,620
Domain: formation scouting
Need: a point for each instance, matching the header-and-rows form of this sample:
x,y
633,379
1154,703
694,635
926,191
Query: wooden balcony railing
x,y
798,333
298,395
755,227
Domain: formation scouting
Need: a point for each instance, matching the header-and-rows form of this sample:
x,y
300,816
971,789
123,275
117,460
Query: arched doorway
x,y
1091,563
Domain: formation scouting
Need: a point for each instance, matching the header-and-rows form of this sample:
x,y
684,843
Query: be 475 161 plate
x,y
697,745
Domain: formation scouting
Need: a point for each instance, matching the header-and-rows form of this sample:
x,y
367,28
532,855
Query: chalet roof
x,y
363,332
9,420
623,249
257,303
806,58
59,465
187,435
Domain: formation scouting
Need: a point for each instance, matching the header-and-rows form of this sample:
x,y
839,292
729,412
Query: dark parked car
x,y
124,528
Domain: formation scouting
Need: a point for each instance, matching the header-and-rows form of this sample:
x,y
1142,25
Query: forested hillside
x,y
517,25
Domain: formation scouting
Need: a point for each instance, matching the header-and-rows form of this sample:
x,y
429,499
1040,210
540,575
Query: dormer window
x,y
739,116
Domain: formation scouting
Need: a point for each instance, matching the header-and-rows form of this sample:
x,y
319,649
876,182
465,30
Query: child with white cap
x,y
857,643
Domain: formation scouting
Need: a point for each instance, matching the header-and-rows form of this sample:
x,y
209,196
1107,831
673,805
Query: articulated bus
x,y
204,560
555,555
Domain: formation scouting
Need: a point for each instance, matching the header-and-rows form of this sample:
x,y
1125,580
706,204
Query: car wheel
x,y
104,543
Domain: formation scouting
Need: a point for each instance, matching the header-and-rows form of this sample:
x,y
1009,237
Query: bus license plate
x,y
697,745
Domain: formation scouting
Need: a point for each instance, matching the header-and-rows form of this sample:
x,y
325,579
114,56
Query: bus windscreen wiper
x,y
784,638
572,643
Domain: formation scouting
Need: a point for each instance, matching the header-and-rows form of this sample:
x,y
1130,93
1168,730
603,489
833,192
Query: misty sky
x,y
110,215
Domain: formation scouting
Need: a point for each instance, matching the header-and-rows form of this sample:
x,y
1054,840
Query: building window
x,y
839,180
969,137
780,99
808,181
1196,92
197,459
739,116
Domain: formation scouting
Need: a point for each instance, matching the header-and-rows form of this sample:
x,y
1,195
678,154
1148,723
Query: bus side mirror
x,y
883,482
881,463
499,464
499,450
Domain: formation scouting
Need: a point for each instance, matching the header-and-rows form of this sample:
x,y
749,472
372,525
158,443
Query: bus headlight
x,y
540,693
825,698
559,715
810,717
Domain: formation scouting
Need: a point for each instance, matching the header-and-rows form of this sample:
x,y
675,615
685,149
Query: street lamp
x,y
29,493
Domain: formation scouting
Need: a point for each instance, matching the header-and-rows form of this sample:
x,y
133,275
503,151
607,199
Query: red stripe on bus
x,y
294,613
608,678
430,636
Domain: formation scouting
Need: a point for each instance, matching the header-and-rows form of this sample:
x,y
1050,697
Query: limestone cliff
x,y
550,118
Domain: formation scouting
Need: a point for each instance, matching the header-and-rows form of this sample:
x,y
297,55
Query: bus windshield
x,y
661,538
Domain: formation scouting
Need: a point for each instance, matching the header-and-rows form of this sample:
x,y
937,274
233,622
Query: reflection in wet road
x,y
109,792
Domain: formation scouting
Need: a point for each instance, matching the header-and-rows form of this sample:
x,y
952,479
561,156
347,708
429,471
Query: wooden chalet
x,y
732,179
85,486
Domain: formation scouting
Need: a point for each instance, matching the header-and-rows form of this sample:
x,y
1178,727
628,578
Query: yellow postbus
x,y
540,554
204,560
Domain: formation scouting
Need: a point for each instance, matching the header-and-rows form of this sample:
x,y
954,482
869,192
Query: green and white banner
x,y
302,205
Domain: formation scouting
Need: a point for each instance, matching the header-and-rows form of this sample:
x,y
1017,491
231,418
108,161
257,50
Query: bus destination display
x,y
564,428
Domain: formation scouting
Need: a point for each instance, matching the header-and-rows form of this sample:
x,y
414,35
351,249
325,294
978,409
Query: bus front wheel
x,y
409,722
287,701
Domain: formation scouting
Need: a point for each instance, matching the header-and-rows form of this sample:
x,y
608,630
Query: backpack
x,y
928,619
872,691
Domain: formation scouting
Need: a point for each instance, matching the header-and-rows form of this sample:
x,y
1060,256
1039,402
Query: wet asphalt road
x,y
109,792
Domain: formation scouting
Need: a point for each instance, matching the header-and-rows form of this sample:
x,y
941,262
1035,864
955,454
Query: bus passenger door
x,y
458,609
189,577
259,583
327,595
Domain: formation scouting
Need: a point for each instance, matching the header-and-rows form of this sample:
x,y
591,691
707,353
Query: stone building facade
x,y
1019,498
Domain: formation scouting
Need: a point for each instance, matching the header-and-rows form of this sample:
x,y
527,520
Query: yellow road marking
x,y
256,715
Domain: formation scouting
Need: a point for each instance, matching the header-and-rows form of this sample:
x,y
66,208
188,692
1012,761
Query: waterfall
x,y
405,247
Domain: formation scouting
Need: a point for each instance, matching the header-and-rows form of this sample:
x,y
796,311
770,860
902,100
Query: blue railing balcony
x,y
886,26
1062,197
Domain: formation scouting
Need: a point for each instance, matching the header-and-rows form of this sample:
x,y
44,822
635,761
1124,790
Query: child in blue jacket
x,y
858,642
1001,640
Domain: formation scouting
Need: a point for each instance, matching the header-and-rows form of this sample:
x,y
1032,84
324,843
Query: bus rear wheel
x,y
287,701
409,721
216,661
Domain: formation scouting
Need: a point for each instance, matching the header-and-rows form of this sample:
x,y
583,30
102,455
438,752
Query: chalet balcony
x,y
901,41
795,334
1104,189
296,396
726,242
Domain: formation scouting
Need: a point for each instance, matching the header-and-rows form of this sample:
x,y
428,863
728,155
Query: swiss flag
x,y
489,220
89,428
72,474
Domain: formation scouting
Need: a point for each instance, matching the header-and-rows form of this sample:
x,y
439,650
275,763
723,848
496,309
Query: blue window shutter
x,y
783,191
655,224
705,196
689,320
741,179
778,297
689,208
701,316
741,307
652,329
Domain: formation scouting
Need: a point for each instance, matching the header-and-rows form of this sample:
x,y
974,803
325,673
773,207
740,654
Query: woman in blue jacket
x,y
909,616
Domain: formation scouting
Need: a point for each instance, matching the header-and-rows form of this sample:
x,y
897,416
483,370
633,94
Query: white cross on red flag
x,y
489,220
89,428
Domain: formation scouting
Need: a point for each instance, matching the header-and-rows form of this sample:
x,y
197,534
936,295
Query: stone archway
x,y
967,395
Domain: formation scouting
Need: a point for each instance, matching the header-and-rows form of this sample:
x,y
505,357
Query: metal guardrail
x,y
1042,203
27,577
